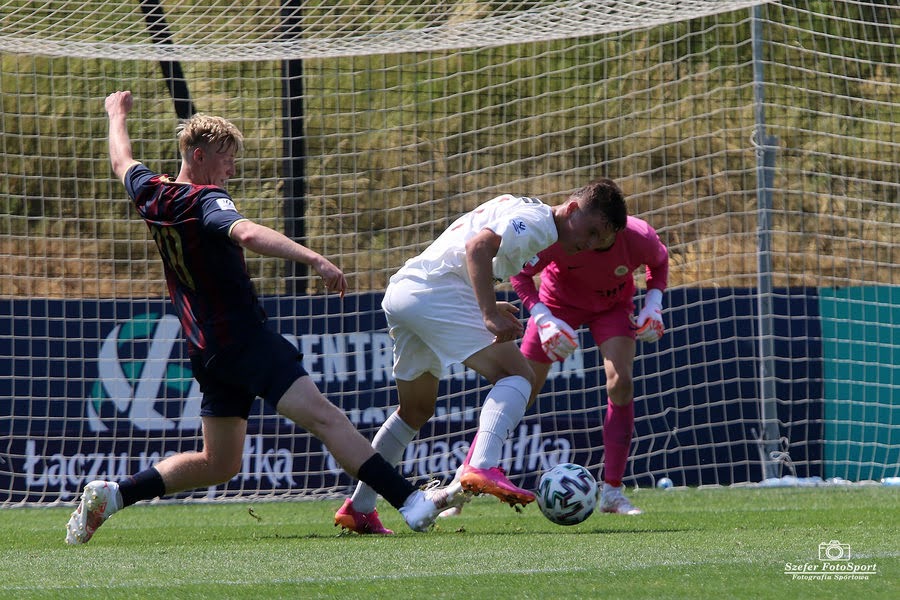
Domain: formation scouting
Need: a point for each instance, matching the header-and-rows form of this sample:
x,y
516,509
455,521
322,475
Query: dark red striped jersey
x,y
206,275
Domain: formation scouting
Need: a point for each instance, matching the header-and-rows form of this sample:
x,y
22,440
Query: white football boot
x,y
422,508
99,500
612,500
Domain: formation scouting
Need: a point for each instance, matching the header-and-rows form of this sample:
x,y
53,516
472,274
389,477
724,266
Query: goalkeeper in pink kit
x,y
596,288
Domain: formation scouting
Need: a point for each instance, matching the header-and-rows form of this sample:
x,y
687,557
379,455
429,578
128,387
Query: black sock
x,y
379,475
145,485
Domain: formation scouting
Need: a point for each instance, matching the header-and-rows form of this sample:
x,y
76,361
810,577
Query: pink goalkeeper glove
x,y
649,321
558,340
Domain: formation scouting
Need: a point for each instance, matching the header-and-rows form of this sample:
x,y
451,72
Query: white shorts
x,y
433,324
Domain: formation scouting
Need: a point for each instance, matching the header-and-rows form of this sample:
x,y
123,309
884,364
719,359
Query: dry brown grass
x,y
399,146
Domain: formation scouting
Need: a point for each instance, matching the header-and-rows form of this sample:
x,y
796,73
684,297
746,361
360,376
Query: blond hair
x,y
210,132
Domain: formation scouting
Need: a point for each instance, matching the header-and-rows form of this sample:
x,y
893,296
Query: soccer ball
x,y
567,494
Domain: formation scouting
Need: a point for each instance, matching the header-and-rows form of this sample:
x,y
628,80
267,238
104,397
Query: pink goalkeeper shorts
x,y
603,325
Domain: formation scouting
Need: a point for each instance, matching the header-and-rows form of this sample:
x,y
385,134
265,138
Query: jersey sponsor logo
x,y
621,271
612,292
225,204
519,226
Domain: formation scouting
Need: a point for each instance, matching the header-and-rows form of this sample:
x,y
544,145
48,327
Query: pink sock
x,y
471,447
617,430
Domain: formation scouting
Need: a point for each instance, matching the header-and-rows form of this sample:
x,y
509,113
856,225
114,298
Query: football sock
x,y
503,408
617,430
383,477
145,485
471,448
391,441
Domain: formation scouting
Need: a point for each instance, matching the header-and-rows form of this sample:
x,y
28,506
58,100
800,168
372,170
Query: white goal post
x,y
760,138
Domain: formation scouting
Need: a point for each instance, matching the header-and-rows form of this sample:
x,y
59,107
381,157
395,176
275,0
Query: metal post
x,y
172,71
766,147
294,146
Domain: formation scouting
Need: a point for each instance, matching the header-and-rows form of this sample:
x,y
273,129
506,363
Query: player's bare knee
x,y
523,370
526,373
310,409
325,421
221,470
227,466
530,377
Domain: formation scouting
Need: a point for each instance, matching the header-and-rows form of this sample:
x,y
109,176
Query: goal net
x,y
760,139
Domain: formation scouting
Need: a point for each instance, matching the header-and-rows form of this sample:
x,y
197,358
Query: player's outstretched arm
x,y
268,242
118,105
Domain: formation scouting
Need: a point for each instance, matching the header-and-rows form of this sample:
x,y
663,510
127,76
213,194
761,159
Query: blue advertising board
x,y
100,389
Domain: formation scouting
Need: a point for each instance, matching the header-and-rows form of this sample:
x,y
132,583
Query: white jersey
x,y
525,225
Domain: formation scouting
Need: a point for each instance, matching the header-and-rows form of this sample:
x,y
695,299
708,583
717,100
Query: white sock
x,y
503,408
392,438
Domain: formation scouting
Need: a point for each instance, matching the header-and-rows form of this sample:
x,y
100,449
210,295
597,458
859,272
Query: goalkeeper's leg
x,y
618,359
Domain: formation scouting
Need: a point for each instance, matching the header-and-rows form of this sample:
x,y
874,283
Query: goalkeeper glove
x,y
649,321
558,340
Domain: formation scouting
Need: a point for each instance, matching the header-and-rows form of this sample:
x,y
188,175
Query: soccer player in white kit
x,y
442,309
596,288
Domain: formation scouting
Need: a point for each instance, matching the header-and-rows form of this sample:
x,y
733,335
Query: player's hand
x,y
558,339
504,323
649,324
332,276
119,103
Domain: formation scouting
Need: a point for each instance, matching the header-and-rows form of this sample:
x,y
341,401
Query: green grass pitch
x,y
708,543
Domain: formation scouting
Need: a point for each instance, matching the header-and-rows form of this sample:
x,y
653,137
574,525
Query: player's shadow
x,y
598,531
605,531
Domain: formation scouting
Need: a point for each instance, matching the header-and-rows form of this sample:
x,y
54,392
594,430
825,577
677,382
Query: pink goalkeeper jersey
x,y
596,280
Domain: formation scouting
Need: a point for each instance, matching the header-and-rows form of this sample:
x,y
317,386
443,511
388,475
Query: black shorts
x,y
265,367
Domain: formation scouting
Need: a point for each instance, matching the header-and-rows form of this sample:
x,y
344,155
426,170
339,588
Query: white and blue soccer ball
x,y
567,494
664,483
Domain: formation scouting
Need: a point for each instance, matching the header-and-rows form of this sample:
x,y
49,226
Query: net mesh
x,y
413,113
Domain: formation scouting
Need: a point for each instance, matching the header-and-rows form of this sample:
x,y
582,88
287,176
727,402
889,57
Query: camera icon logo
x,y
834,550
